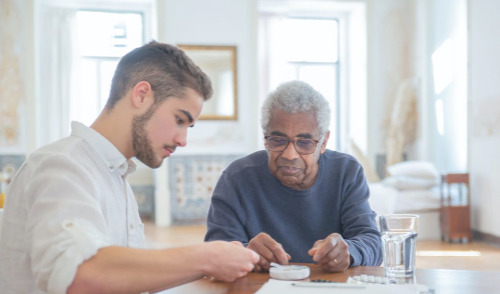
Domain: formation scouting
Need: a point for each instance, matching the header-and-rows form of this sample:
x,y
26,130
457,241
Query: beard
x,y
141,143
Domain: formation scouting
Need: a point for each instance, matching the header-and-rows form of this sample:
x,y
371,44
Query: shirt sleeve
x,y
226,218
65,223
360,230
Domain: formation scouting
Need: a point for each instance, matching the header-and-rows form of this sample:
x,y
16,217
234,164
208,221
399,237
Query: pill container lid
x,y
289,272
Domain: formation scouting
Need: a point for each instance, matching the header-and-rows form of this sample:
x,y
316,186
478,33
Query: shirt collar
x,y
111,156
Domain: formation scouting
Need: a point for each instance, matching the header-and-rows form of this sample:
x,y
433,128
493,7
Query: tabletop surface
x,y
442,281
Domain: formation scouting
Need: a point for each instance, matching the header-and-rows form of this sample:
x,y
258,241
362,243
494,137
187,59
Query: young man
x,y
71,223
298,201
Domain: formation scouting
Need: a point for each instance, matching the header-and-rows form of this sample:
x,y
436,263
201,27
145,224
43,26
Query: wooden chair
x,y
455,208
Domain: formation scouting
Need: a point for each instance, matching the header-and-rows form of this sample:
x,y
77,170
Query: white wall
x,y
445,59
484,112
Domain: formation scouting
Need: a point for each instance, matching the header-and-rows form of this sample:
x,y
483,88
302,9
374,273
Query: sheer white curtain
x,y
56,60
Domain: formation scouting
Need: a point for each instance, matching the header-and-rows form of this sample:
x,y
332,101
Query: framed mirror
x,y
219,63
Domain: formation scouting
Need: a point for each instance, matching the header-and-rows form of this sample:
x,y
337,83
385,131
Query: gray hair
x,y
297,97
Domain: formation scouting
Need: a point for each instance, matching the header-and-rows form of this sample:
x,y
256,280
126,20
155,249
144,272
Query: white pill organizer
x,y
289,272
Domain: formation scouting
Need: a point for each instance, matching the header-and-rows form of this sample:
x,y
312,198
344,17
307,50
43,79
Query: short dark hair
x,y
165,67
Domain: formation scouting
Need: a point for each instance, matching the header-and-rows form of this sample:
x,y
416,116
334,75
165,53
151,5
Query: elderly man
x,y
297,201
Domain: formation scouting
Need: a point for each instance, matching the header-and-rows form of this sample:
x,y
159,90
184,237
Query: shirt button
x,y
131,226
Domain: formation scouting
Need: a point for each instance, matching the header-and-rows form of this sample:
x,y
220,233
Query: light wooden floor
x,y
430,254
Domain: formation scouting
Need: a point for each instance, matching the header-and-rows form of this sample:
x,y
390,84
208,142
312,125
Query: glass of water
x,y
399,235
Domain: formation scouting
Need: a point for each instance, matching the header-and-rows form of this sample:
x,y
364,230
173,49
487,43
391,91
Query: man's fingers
x,y
279,253
269,250
264,264
257,268
237,243
333,255
321,252
326,247
337,264
312,251
274,253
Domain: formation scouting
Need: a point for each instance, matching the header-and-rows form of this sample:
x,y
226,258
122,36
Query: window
x,y
102,38
323,44
78,44
299,54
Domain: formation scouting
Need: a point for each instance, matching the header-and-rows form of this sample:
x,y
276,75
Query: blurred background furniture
x,y
455,207
411,187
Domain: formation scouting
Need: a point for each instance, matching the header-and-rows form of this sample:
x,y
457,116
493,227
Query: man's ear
x,y
325,141
141,92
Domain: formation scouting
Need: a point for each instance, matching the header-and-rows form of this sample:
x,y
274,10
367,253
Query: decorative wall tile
x,y
192,181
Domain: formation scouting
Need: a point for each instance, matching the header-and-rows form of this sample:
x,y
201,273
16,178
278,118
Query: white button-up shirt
x,y
68,200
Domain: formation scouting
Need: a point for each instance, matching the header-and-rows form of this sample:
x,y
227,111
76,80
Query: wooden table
x,y
442,281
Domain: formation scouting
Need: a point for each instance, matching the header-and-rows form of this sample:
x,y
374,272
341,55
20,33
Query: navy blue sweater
x,y
248,200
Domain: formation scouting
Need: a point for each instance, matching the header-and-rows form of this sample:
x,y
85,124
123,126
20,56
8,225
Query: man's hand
x,y
331,253
269,251
230,260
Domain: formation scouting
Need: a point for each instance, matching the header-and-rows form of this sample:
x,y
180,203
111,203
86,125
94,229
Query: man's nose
x,y
181,138
290,152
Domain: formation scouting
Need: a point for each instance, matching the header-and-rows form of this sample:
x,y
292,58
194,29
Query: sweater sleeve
x,y
226,218
360,230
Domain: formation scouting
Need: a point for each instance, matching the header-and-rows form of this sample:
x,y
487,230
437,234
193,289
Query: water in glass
x,y
399,253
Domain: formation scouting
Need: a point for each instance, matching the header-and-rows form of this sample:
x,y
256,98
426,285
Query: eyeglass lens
x,y
302,146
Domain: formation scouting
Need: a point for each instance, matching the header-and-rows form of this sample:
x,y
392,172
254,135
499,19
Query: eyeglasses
x,y
279,144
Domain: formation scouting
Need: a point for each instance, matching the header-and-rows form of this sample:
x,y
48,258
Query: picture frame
x,y
220,64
